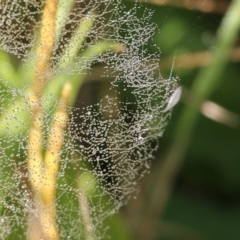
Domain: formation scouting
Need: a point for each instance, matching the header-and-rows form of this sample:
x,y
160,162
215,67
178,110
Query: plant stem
x,y
205,83
54,146
45,47
51,165
38,180
85,213
45,183
86,186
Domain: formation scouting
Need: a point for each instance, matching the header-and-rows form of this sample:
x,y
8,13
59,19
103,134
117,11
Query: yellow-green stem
x,y
35,159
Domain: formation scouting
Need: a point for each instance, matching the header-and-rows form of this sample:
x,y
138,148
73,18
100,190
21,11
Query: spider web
x,y
109,145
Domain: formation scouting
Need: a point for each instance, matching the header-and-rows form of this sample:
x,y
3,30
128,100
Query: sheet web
x,y
105,148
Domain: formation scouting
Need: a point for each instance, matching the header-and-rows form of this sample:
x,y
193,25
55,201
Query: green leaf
x,y
64,9
77,40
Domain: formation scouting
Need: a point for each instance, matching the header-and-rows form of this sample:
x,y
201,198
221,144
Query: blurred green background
x,y
205,202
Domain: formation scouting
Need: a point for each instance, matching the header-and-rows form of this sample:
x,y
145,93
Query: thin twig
x,y
86,184
214,6
212,110
85,213
196,59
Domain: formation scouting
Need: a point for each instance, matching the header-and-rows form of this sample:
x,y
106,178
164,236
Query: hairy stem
x,y
51,165
45,47
44,184
35,159
55,143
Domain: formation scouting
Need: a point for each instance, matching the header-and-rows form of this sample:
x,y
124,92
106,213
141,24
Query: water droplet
x,y
140,139
8,22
